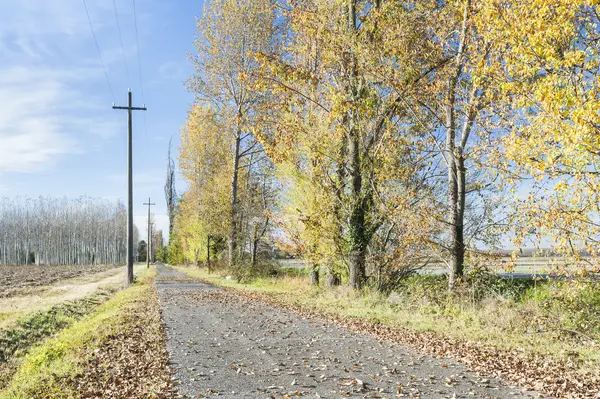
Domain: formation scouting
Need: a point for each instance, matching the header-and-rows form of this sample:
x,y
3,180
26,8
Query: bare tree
x,y
49,230
170,193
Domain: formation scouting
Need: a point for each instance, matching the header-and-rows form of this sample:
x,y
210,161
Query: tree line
x,y
62,231
374,137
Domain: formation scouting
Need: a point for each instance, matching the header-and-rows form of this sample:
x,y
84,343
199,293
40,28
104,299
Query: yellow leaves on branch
x,y
530,68
204,160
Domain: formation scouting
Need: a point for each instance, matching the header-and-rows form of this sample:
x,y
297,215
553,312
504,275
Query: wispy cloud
x,y
45,117
48,68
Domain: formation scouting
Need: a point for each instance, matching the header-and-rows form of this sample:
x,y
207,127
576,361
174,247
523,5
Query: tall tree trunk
x,y
453,223
208,253
332,280
234,198
357,229
453,155
457,208
460,219
254,245
170,193
314,275
333,276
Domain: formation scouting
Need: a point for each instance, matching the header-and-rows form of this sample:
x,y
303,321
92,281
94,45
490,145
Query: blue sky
x,y
59,135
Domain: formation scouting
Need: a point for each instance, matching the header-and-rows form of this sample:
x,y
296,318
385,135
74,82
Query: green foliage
x,y
142,251
481,283
244,272
174,250
553,306
572,305
162,254
293,272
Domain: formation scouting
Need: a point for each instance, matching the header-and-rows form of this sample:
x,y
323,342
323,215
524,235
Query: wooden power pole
x,y
130,108
151,232
149,244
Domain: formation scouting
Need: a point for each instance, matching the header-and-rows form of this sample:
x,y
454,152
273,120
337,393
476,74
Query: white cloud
x,y
46,79
43,117
32,151
43,17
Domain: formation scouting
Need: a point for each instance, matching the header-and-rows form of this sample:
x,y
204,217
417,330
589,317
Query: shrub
x,y
571,304
481,283
244,272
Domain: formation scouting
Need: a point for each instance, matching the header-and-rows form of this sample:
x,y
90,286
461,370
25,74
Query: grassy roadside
x,y
27,328
493,336
31,328
115,351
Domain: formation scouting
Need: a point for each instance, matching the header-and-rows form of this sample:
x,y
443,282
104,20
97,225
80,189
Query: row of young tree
x,y
62,231
373,137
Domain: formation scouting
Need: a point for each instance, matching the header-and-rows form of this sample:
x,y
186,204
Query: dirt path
x,y
225,345
44,297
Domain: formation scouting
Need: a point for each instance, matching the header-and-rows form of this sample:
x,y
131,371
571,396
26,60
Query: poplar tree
x,y
228,34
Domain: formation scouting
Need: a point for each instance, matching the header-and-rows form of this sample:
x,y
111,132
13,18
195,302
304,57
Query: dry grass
x,y
43,297
57,368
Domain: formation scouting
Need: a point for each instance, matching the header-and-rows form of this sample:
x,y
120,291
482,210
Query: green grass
x,y
6,315
506,315
35,326
45,370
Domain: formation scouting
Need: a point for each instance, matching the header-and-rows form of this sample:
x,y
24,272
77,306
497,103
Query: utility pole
x,y
130,108
151,230
148,246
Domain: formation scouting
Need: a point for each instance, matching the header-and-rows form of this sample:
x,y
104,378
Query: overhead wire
x,y
121,41
137,41
99,52
112,93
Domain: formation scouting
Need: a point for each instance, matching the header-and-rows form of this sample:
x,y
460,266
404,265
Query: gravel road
x,y
223,345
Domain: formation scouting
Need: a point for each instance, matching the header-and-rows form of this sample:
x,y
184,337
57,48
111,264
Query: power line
x,y
121,40
137,41
112,94
99,53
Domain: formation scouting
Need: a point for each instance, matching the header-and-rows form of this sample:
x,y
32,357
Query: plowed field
x,y
15,279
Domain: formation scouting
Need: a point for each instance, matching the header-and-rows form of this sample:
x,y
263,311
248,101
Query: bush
x,y
244,272
481,283
570,305
428,292
294,272
562,306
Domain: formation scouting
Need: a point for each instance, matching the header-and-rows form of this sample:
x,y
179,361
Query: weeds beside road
x,y
110,350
